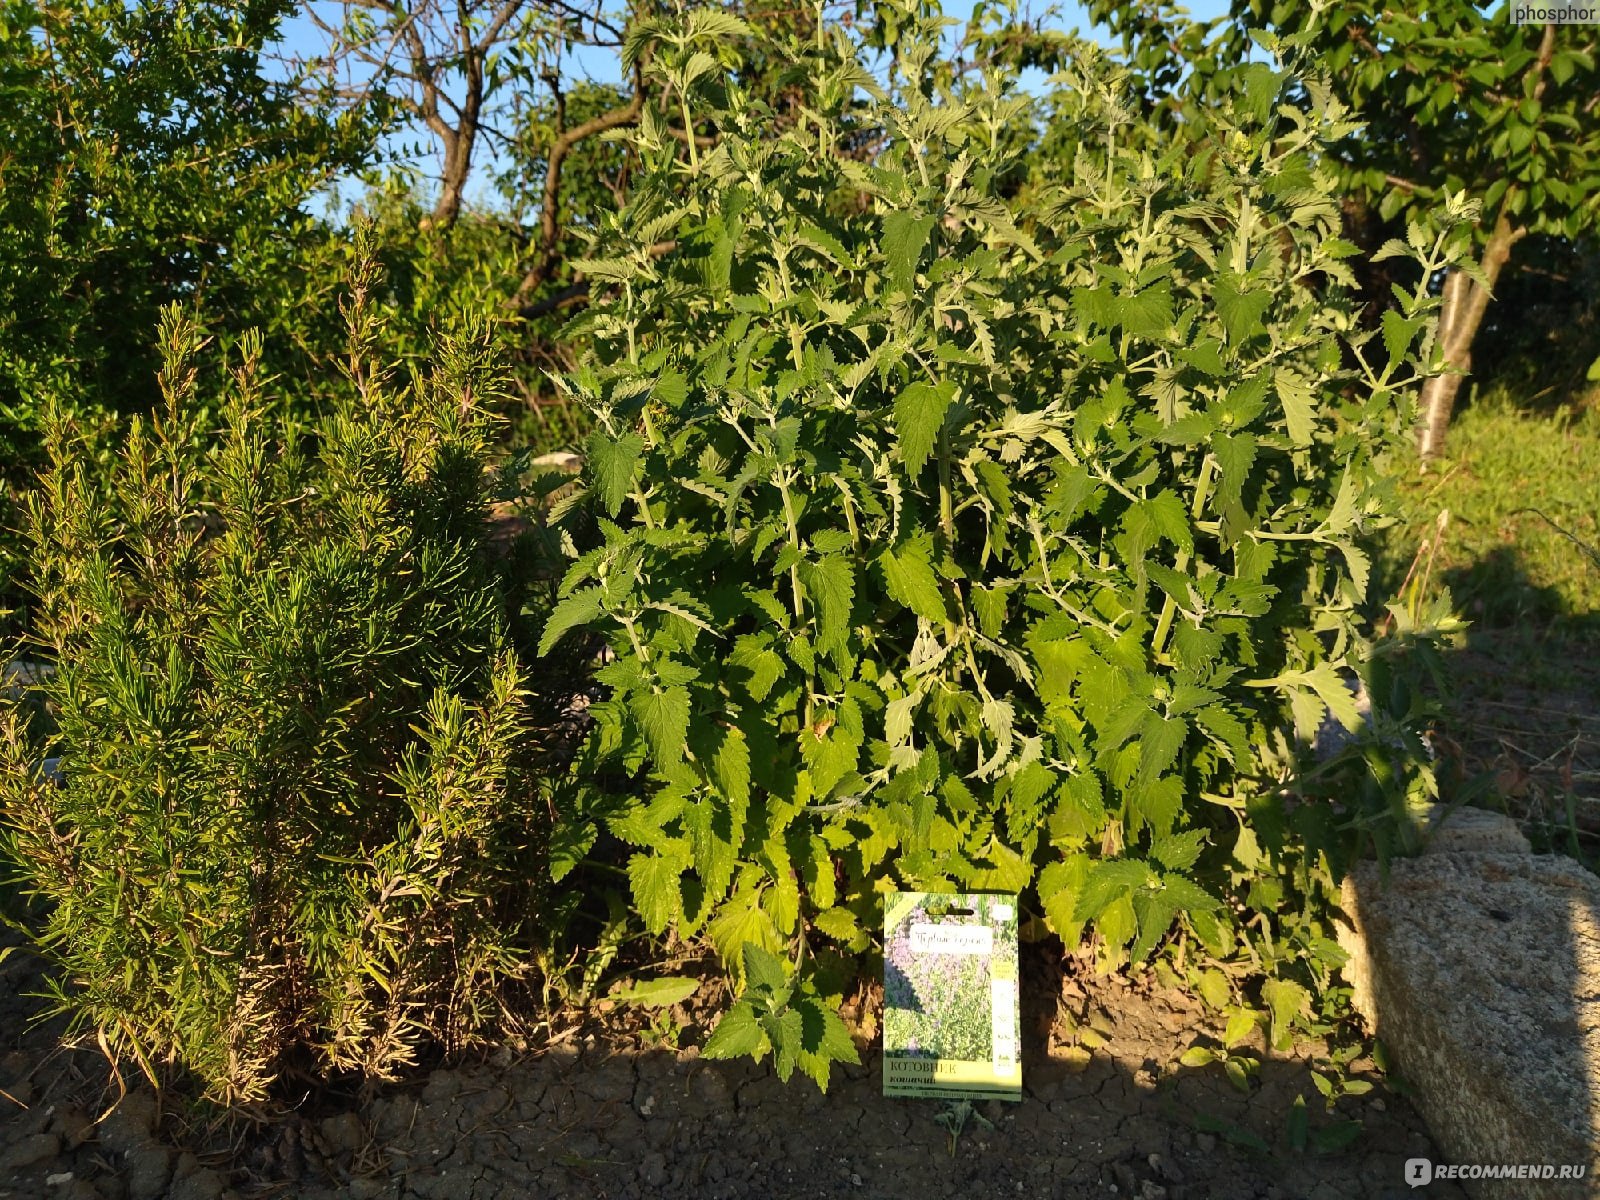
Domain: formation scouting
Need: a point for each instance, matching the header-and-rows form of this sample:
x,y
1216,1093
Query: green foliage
x,y
953,542
297,825
147,159
785,1016
954,1117
1510,568
1452,99
432,278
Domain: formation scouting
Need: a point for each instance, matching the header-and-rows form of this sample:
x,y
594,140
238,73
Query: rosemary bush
x,y
967,536
297,826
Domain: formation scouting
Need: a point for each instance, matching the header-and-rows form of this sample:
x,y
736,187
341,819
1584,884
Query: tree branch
x,y
578,291
556,300
1547,51
549,216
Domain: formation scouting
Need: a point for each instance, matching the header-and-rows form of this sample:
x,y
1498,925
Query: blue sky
x,y
301,37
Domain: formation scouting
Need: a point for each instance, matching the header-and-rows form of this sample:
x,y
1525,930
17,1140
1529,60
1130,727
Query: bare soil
x,y
603,1113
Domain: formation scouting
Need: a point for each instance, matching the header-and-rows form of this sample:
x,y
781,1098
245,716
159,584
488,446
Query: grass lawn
x,y
1520,553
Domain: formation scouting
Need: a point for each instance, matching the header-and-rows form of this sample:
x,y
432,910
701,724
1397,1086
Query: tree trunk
x,y
453,179
1465,302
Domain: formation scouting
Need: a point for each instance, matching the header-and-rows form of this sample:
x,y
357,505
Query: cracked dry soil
x,y
602,1115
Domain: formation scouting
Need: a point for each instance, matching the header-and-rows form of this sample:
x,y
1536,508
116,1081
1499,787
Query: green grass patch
x,y
1521,550
1520,725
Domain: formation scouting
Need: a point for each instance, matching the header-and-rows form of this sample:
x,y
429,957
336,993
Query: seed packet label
x,y
951,1023
952,939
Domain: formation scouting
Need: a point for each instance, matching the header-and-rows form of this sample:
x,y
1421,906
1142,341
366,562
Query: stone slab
x,y
1478,964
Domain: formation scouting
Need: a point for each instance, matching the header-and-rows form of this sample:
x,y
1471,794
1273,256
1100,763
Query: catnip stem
x,y
1202,490
782,480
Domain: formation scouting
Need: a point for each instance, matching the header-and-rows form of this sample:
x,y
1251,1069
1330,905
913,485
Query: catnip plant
x,y
962,535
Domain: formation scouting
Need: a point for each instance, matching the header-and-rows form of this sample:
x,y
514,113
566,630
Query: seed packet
x,y
951,1025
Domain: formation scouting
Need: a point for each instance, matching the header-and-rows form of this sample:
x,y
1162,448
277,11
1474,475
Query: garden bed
x,y
606,1113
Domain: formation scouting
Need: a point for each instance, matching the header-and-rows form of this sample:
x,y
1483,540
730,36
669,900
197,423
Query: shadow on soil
x,y
1522,721
1486,976
605,1116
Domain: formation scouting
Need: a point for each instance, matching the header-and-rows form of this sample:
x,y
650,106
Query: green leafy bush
x,y
149,159
968,538
297,828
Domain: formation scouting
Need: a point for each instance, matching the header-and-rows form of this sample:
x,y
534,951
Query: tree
x,y
147,159
445,65
1453,100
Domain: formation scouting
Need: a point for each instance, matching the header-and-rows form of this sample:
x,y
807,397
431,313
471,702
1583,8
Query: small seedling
x,y
1239,1067
954,1118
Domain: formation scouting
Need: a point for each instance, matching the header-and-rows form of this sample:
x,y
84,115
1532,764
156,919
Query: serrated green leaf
x,y
782,899
1393,248
662,992
737,1035
835,1043
1359,565
904,236
613,462
1299,404
1161,738
570,843
755,655
1330,685
831,584
838,923
998,717
739,922
1156,913
787,1033
664,718
764,970
1030,789
1148,521
716,831
824,243
919,412
1241,310
1060,886
730,766
1398,333
655,879
1235,454
829,758
908,577
1286,1001
1178,851
897,718
1107,881
580,608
